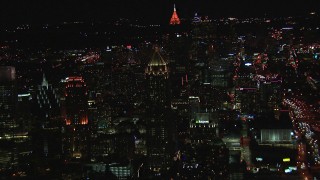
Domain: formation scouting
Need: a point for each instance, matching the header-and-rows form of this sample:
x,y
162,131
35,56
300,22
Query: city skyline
x,y
157,11
120,90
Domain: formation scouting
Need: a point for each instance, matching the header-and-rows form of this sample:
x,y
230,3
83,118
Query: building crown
x,y
157,64
174,18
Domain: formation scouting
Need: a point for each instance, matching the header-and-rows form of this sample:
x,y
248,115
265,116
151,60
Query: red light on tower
x,y
84,120
174,18
68,122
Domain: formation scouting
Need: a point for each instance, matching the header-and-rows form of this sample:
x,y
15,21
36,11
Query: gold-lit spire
x,y
157,65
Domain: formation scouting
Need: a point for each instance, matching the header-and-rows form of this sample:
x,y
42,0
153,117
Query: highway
x,y
305,123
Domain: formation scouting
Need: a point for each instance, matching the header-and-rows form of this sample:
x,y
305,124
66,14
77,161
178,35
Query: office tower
x,y
158,115
174,18
205,156
245,94
160,140
47,111
8,98
203,128
157,74
47,103
8,125
76,132
205,161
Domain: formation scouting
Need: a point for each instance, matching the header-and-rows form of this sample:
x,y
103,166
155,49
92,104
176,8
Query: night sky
x,y
158,11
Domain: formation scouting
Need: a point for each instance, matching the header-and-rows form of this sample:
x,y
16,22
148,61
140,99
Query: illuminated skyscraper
x,y
158,141
203,128
8,98
8,125
157,74
158,122
76,118
174,18
47,111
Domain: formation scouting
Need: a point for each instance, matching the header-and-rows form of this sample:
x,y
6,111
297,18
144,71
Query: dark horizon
x,y
157,11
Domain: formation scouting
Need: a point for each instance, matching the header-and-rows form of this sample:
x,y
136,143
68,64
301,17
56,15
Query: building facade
x,y
76,128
